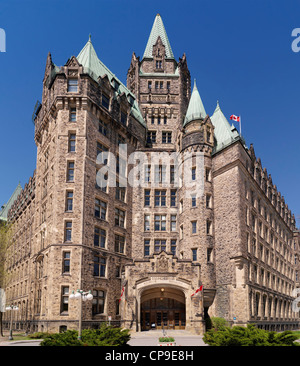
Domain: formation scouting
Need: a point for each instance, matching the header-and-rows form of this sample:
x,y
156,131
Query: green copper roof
x,y
6,208
195,109
94,67
158,30
223,132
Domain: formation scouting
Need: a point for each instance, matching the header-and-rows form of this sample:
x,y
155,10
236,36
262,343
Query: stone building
x,y
158,253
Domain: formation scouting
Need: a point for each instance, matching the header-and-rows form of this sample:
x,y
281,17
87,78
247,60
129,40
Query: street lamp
x,y
11,308
83,296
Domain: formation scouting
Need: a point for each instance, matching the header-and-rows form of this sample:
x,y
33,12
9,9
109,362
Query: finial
x,y
158,15
90,37
195,86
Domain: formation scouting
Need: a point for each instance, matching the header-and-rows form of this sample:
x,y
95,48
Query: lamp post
x,y
11,308
82,296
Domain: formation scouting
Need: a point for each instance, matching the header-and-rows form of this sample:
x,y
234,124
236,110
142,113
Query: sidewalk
x,y
150,338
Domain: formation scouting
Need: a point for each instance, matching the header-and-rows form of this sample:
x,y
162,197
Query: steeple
x,y
89,60
195,109
158,30
224,133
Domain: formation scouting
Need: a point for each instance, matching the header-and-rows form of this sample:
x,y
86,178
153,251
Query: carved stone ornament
x,y
162,264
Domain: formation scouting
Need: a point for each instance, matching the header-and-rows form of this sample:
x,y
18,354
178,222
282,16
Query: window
x,y
173,223
147,173
194,201
102,127
165,120
193,173
73,85
160,173
172,174
166,137
100,209
73,116
151,137
208,227
158,120
168,85
119,217
70,171
149,85
159,245
160,198
158,65
66,262
194,227
173,197
208,201
161,85
146,247
98,302
121,166
209,254
194,254
68,231
101,158
160,222
99,237
147,222
69,201
72,142
105,101
99,266
173,246
119,243
123,118
156,85
208,174
120,192
152,120
64,299
147,197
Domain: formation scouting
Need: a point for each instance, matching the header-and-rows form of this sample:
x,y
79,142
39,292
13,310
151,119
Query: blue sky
x,y
238,51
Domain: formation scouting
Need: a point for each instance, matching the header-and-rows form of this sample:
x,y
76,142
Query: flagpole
x,y
241,126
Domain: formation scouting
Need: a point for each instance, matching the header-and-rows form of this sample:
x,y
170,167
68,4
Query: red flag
x,y
121,294
235,118
198,290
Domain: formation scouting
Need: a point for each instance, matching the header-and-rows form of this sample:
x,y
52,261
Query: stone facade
x,y
153,243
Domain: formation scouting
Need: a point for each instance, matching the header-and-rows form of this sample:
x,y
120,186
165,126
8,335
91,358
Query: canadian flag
x,y
198,290
121,294
235,118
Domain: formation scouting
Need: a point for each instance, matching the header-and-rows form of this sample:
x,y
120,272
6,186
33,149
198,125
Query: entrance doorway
x,y
164,312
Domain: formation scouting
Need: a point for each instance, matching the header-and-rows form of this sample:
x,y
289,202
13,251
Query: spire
x,y
223,131
195,109
88,58
158,30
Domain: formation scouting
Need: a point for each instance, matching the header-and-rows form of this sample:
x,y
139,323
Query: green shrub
x,y
248,336
218,323
166,339
38,335
105,336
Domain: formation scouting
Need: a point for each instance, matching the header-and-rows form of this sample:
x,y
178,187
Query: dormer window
x,y
73,85
158,64
105,101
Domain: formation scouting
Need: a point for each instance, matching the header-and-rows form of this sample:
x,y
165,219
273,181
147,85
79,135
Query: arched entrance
x,y
163,307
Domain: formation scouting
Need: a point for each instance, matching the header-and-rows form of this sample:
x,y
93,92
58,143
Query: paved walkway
x,y
150,338
147,338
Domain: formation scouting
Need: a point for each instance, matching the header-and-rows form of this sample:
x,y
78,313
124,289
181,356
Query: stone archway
x,y
162,308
